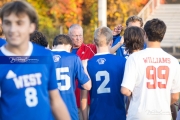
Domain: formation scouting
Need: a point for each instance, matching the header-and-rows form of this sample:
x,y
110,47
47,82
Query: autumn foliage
x,y
54,14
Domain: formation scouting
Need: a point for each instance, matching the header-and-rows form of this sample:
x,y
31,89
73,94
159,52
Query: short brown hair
x,y
155,30
18,8
133,39
62,39
102,35
134,19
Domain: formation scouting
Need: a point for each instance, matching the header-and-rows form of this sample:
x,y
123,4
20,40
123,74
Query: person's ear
x,y
32,28
110,43
69,48
145,37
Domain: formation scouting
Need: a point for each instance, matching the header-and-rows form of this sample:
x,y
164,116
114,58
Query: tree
x,y
119,10
55,13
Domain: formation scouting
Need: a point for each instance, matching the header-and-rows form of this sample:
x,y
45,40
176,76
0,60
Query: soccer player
x,y
106,72
28,90
133,39
152,78
133,42
118,46
68,69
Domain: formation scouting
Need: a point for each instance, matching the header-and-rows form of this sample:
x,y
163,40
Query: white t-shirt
x,y
152,75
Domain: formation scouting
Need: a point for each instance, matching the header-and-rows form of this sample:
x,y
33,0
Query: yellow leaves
x,y
119,10
56,13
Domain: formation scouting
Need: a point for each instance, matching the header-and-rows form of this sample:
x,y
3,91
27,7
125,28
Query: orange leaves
x,y
56,13
119,10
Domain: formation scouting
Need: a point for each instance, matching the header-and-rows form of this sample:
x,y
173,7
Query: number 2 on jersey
x,y
162,73
102,88
63,76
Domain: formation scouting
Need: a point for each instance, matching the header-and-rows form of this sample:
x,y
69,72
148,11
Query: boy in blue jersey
x,y
118,40
106,72
68,69
28,90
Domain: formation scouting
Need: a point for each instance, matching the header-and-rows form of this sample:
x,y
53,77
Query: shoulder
x,y
172,58
72,55
39,50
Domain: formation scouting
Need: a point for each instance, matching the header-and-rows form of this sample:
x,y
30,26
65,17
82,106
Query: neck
x,y
18,50
153,44
59,47
135,51
103,49
62,47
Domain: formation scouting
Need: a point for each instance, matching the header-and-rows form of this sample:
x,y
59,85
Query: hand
x,y
117,30
121,42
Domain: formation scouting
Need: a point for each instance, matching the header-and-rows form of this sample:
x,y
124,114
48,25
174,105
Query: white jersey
x,y
152,75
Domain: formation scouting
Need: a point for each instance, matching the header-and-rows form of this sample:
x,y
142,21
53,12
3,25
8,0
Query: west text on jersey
x,y
156,60
27,80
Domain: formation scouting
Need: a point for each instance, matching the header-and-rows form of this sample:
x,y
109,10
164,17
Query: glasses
x,y
75,36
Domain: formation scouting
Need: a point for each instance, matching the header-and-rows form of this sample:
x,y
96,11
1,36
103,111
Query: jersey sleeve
x,y
80,74
130,74
176,81
52,74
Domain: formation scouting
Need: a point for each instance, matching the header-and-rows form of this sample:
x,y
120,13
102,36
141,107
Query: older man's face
x,y
77,37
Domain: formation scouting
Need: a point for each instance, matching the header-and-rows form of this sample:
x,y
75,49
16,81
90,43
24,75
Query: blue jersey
x,y
25,85
68,69
121,50
106,72
2,42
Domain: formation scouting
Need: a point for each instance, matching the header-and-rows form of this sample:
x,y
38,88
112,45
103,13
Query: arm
x,y
175,89
58,107
173,112
125,91
174,97
84,105
129,81
116,32
88,84
118,45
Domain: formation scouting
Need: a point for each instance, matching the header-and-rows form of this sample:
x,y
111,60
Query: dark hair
x,y
19,8
62,39
155,30
38,38
134,19
133,39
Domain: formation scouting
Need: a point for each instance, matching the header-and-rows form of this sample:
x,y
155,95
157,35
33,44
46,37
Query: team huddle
x,y
140,82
